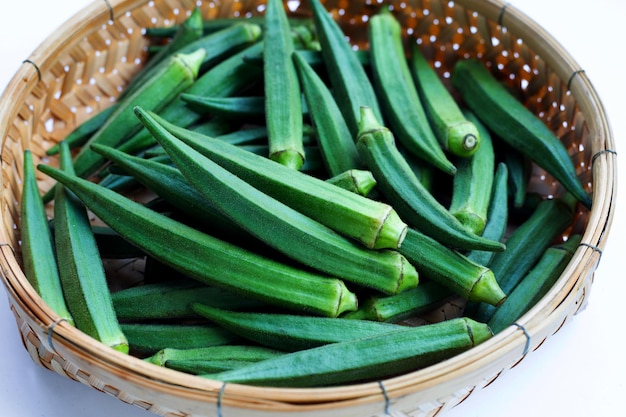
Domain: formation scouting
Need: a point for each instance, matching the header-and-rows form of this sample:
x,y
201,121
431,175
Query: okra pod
x,y
451,269
332,132
248,108
291,332
395,308
520,171
283,97
282,227
83,278
208,259
470,202
348,78
397,182
372,223
535,284
167,182
497,216
188,32
358,181
38,254
514,123
455,132
164,86
148,339
228,77
173,299
398,94
198,367
212,358
365,359
526,244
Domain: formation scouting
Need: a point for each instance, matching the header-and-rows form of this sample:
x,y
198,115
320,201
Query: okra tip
x,y
487,290
471,220
347,301
368,121
193,60
478,331
409,278
392,232
463,139
122,347
289,158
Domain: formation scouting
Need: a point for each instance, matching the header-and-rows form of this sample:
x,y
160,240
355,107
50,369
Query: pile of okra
x,y
306,199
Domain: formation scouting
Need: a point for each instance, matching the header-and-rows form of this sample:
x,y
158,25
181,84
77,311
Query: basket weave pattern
x,y
69,78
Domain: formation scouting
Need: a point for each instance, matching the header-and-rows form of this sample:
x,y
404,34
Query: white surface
x,y
578,372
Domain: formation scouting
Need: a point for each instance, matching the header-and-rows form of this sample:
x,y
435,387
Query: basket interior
x,y
84,75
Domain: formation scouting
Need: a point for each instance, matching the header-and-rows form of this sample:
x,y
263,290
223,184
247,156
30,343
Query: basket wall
x,y
83,67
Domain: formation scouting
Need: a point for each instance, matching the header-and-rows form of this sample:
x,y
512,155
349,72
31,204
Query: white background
x,y
578,372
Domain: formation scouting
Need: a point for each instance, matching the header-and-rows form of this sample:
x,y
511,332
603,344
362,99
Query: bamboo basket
x,y
82,67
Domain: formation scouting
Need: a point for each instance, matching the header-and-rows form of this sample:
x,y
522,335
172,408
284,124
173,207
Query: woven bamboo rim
x,y
83,65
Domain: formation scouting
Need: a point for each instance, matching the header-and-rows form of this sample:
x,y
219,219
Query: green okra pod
x,y
358,181
526,245
520,171
283,97
535,284
166,181
38,253
285,229
451,269
497,216
211,358
397,182
173,78
398,93
455,132
150,338
370,222
173,299
291,332
230,76
515,124
187,33
348,78
208,259
475,174
395,308
365,359
83,278
332,132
